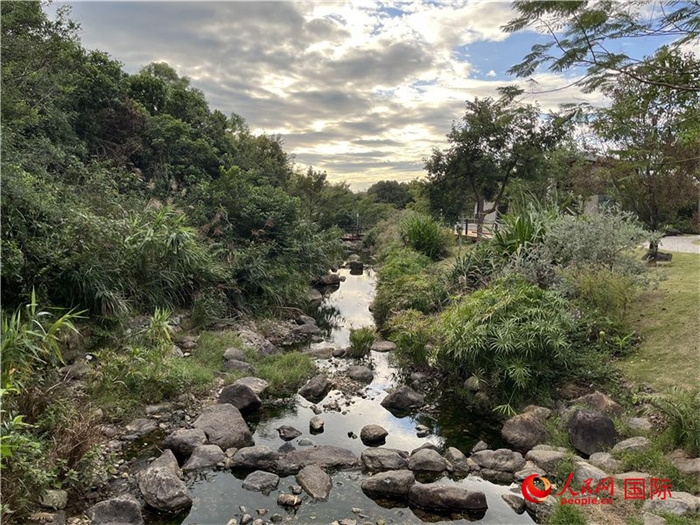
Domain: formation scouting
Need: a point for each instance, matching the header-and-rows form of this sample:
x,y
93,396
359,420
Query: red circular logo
x,y
532,493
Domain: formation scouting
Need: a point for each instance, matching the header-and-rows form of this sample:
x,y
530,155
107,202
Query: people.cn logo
x,y
532,493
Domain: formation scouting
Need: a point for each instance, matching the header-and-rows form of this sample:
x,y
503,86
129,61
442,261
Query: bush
x,y
425,235
681,409
609,292
412,332
361,340
517,232
474,269
285,373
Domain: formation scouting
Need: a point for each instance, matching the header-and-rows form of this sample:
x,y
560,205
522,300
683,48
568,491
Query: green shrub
x,y
517,232
286,372
425,235
681,408
361,340
567,515
655,462
412,332
474,269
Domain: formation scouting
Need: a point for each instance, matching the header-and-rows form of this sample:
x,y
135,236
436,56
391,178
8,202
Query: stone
x,y
184,440
119,510
141,426
242,397
446,498
639,424
325,456
542,510
234,365
679,504
316,389
633,443
422,431
224,426
360,373
383,346
652,519
54,499
538,411
547,460
261,481
620,478
314,297
320,353
314,480
481,445
355,266
403,398
457,462
288,433
161,486
503,459
515,502
316,425
339,352
472,384
690,466
306,442
427,460
373,435
378,459
159,409
257,385
524,431
330,279
496,476
306,330
600,403
288,500
258,457
393,484
605,461
267,348
234,353
584,471
204,456
590,431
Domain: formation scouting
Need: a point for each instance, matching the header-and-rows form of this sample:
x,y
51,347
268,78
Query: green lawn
x,y
668,319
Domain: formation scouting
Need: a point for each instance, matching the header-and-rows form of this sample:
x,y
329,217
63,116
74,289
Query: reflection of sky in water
x,y
218,496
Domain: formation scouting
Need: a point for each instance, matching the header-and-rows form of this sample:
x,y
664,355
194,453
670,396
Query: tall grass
x,y
425,235
681,409
361,340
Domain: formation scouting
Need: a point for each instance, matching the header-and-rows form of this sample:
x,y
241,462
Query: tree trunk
x,y
479,218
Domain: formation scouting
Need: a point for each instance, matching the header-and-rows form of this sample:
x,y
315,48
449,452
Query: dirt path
x,y
681,243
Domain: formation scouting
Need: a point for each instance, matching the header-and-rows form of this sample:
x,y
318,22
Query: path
x,y
680,243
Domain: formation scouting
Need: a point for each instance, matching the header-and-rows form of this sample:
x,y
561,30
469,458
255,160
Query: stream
x,y
218,495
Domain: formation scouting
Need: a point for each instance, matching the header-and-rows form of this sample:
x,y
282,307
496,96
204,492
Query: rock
x,y
428,445
234,365
515,502
256,458
314,480
497,476
119,510
141,426
427,460
679,504
634,443
403,398
524,431
305,331
316,389
320,353
54,499
316,425
652,519
688,466
503,459
326,457
538,411
591,432
620,478
339,352
530,469
383,346
472,384
373,435
605,461
288,500
204,456
584,471
267,348
184,440
481,445
257,385
600,403
234,353
457,462
547,460
542,510
162,487
330,279
314,297
361,374
224,426
240,396
286,448
288,433
378,459
160,408
422,431
261,481
639,424
306,442
355,266
393,484
446,498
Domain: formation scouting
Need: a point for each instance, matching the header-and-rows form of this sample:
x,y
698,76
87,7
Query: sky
x,y
362,90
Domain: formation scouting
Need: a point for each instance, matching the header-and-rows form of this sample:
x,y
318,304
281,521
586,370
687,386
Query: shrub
x,y
517,232
412,332
567,515
361,340
474,269
681,409
425,235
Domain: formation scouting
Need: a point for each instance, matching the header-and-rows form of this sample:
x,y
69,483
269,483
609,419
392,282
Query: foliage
x,y
425,235
567,515
518,232
655,461
286,372
361,340
390,192
681,409
412,332
159,329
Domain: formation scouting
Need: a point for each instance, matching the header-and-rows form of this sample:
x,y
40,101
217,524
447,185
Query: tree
x,y
390,192
588,34
495,142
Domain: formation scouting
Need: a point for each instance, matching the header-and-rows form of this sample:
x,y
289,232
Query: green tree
x,y
390,192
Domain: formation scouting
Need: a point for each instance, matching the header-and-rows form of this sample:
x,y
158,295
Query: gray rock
x,y
392,484
680,504
422,431
547,460
320,353
515,502
620,478
339,352
326,457
633,443
314,297
542,510
261,481
373,435
257,385
481,445
378,459
457,462
234,353
427,460
306,330
360,373
591,432
288,500
690,466
524,431
497,476
584,471
314,480
316,425
288,433
184,440
306,442
141,426
446,498
234,365
204,456
120,510
403,398
538,411
160,408
639,424
383,346
256,458
161,486
652,519
472,384
316,389
54,499
286,448
224,426
525,473
242,397
503,459
599,402
605,461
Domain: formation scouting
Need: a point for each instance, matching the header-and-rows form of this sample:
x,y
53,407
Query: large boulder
x,y
224,426
584,471
184,440
316,389
443,498
457,462
261,481
392,484
383,346
257,385
599,402
590,431
204,456
547,460
242,397
680,504
234,365
373,435
120,510
427,460
234,353
162,487
524,431
503,460
325,456
378,459
255,458
314,480
360,373
403,398
605,461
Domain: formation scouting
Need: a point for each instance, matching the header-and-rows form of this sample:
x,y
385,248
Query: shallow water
x,y
218,495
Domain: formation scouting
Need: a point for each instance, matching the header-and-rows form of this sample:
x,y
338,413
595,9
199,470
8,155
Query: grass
x,y
285,373
567,515
361,340
667,318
